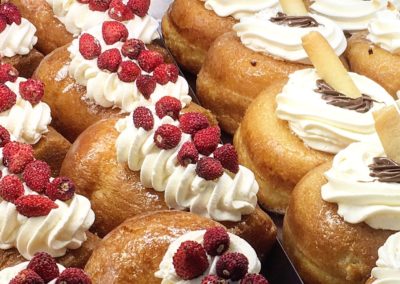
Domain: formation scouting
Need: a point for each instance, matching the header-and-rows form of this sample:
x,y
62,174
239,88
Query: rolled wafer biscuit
x,y
294,7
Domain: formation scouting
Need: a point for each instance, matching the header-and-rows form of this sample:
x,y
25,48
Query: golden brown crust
x,y
25,64
266,145
370,60
323,247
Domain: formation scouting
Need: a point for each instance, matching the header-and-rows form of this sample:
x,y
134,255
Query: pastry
x,y
59,21
117,164
190,26
81,91
147,248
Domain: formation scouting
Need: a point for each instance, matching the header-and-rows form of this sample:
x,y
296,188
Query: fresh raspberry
x,y
216,241
61,188
31,90
190,260
132,48
36,175
142,117
254,279
119,11
45,266
73,276
11,12
16,156
89,46
27,276
188,154
213,279
191,122
165,73
7,98
11,188
167,136
3,23
228,157
168,106
8,73
149,59
114,31
99,5
209,168
139,7
206,140
128,71
146,85
109,60
4,136
34,205
232,265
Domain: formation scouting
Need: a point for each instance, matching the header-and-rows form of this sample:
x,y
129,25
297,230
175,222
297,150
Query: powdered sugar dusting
x,y
62,73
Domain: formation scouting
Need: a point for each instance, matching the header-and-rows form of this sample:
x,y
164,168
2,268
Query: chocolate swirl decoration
x,y
385,170
362,104
294,21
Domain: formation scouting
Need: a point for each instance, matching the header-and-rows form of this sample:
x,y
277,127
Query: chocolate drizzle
x,y
294,21
385,170
335,98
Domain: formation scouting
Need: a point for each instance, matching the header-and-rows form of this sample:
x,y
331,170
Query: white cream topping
x,y
224,199
384,31
17,39
78,17
350,15
387,270
167,271
26,122
7,274
107,90
360,198
259,33
322,126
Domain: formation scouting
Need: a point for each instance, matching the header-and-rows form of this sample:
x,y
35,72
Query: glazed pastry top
x,y
262,33
384,30
7,274
321,125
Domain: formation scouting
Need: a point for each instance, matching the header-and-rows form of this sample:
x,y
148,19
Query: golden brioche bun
x,y
25,64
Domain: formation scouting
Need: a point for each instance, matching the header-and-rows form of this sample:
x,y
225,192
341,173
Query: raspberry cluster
x,y
9,14
118,10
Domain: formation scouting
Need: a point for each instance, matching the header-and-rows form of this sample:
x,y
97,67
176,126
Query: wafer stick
x,y
293,7
328,65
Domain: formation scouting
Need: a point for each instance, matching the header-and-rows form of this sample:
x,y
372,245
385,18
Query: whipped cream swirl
x,y
387,270
224,199
384,31
17,39
322,126
26,122
167,271
259,33
7,274
360,197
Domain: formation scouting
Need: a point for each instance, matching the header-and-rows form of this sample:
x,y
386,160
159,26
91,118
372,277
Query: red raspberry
x,y
16,156
232,265
191,122
209,168
206,140
167,136
213,279
228,157
8,73
128,71
114,31
11,12
142,117
4,136
3,23
7,98
146,85
73,276
89,46
139,7
216,241
27,276
132,48
11,188
148,60
168,106
119,11
45,266
61,188
109,60
190,260
34,205
254,279
36,175
165,73
99,5
32,90
188,154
